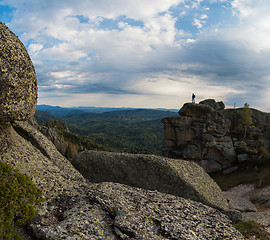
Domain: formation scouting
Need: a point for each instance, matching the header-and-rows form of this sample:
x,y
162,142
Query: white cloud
x,y
34,48
58,22
197,23
255,23
183,13
196,3
203,16
244,7
62,52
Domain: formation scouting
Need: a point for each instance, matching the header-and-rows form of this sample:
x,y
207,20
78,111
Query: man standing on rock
x,y
193,98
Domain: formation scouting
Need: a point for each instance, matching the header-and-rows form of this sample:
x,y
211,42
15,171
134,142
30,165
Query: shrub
x,y
18,197
265,152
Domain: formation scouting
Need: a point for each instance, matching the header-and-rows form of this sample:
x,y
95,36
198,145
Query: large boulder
x,y
198,111
216,148
213,104
222,150
239,203
177,177
18,83
179,130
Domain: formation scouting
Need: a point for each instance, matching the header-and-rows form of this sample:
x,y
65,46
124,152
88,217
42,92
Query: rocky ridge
x,y
74,207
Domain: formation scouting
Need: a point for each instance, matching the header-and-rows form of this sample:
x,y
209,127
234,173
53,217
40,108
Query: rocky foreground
x,y
74,207
78,209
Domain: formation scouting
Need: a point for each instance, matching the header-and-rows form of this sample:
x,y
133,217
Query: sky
x,y
145,53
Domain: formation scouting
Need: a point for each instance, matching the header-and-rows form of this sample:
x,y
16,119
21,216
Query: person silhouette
x,y
193,98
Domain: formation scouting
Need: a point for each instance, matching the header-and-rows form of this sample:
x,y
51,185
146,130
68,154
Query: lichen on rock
x,y
141,214
18,83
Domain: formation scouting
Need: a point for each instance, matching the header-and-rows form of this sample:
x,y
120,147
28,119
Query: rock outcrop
x,y
74,207
212,136
180,178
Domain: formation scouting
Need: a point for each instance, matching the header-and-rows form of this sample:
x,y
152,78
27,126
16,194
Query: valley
x,y
131,131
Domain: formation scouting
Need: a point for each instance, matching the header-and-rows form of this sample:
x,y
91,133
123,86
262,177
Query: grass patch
x,y
251,228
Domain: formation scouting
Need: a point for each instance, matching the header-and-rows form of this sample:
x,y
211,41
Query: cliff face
x,y
75,208
55,132
213,136
66,142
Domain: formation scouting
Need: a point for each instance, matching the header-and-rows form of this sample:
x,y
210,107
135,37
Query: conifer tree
x,y
246,118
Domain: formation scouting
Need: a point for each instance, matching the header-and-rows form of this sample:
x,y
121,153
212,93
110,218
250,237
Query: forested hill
x,y
133,131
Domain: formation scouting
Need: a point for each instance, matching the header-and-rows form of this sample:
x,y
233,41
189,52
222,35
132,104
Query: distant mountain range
x,y
60,111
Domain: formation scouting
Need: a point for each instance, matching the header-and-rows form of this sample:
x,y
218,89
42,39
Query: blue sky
x,y
145,53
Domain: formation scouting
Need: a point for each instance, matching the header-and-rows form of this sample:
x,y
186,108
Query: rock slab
x,y
141,214
173,176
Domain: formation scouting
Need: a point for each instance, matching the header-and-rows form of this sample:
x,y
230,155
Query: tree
x,y
246,118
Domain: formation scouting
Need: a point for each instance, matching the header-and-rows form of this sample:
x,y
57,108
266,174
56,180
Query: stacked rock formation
x,y
212,136
75,208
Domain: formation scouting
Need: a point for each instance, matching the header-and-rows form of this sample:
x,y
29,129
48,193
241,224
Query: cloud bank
x,y
146,53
